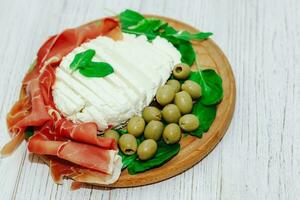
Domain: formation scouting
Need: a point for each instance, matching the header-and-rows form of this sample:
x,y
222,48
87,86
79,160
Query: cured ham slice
x,y
61,44
73,150
83,132
18,112
60,168
85,155
38,115
31,107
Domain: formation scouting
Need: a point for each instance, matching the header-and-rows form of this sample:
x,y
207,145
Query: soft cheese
x,y
140,67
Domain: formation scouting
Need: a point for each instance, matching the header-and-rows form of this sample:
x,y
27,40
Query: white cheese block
x,y
140,67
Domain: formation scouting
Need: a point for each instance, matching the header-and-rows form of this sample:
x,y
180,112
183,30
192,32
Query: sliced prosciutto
x,y
73,149
36,103
89,156
60,168
83,132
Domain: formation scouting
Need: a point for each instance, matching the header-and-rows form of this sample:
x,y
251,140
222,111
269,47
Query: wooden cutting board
x,y
193,149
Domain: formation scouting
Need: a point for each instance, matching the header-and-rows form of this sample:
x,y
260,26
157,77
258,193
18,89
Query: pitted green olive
x,y
189,122
172,133
184,102
171,113
153,130
136,126
165,94
181,71
151,113
174,84
147,149
112,134
192,88
128,144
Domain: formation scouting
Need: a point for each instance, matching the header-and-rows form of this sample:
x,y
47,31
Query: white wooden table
x,y
259,157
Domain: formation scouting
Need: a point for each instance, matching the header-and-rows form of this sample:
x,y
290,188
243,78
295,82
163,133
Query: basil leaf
x,y
164,153
126,159
82,59
130,18
83,62
29,132
96,69
184,35
211,86
206,116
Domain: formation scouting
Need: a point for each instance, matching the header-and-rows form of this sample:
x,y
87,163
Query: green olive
x,y
181,71
153,130
174,84
184,102
136,126
128,144
171,113
189,122
147,149
172,133
165,94
151,113
112,134
192,88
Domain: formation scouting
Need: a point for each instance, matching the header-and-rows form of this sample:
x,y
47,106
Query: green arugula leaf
x,y
96,69
82,59
206,116
130,18
134,23
164,153
211,86
83,62
146,27
184,35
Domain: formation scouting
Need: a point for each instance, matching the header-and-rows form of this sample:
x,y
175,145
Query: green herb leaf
x,y
184,47
211,85
29,132
135,23
121,131
146,27
96,69
184,35
83,62
206,116
82,59
130,18
126,159
164,153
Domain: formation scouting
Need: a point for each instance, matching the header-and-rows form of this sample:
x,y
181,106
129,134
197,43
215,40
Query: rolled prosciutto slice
x,y
83,132
85,155
60,168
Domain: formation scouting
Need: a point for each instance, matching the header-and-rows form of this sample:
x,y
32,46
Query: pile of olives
x,y
167,120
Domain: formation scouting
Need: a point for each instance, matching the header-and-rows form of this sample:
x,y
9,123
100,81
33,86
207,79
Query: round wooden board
x,y
193,149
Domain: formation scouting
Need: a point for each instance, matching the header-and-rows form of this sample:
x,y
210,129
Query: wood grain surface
x,y
258,158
